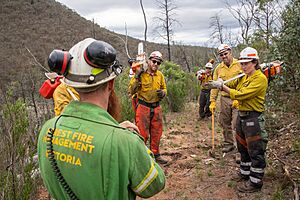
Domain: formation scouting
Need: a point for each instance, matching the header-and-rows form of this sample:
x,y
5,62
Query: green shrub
x,y
181,86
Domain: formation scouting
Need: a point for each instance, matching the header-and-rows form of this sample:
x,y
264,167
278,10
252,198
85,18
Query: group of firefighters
x,y
84,153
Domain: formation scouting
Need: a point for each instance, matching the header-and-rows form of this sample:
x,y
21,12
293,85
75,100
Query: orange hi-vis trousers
x,y
149,122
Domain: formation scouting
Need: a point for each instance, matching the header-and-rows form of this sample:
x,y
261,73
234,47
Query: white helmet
x,y
248,54
93,63
157,55
223,47
209,65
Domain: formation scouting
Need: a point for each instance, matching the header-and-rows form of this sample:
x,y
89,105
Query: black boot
x,y
238,177
249,187
160,160
227,148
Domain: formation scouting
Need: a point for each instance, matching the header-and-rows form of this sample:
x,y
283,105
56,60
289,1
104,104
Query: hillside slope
x,y
43,25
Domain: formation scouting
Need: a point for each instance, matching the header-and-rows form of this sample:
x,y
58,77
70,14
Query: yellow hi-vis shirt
x,y
62,97
204,81
250,91
225,73
147,87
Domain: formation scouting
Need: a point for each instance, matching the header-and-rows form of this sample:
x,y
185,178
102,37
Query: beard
x,y
114,106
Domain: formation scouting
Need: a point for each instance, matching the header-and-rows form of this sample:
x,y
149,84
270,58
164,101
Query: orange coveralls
x,y
148,116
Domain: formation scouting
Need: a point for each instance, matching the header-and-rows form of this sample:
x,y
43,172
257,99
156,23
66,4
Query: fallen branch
x,y
287,174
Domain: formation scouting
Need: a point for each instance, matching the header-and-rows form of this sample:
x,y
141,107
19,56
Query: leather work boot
x,y
238,158
238,177
248,187
227,148
160,160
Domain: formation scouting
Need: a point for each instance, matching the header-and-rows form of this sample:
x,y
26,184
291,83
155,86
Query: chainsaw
x,y
270,70
139,62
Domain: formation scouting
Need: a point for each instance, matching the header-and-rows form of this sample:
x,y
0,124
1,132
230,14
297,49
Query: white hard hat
x,y
223,47
93,63
156,55
248,54
209,65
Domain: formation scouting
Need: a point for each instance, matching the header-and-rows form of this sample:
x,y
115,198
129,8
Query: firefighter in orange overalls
x,y
151,88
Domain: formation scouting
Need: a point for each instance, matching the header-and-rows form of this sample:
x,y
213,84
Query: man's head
x,y
224,51
92,71
155,59
93,63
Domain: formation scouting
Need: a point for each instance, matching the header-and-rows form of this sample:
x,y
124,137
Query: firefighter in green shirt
x,y
85,153
251,137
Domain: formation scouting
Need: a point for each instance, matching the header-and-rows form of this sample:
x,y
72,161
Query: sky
x,y
193,16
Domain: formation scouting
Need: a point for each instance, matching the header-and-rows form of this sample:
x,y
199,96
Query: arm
x,y
147,177
134,86
163,85
248,92
214,92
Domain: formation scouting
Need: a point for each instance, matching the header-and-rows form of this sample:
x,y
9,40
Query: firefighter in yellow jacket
x,y
204,77
249,91
228,68
150,88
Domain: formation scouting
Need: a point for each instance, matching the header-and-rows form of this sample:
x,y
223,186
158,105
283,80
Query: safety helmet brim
x,y
244,60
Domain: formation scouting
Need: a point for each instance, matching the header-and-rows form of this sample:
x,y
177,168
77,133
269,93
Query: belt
x,y
249,113
205,90
150,105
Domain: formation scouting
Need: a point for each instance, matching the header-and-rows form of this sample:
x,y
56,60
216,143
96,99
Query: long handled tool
x,y
211,152
213,131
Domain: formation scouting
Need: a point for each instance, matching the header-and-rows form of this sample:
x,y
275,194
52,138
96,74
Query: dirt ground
x,y
193,174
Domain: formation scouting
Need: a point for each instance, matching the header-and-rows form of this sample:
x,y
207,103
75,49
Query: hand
x,y
130,126
212,106
218,84
235,104
160,93
130,61
138,73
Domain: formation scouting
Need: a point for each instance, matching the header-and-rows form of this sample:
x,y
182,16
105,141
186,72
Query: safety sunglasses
x,y
156,62
223,54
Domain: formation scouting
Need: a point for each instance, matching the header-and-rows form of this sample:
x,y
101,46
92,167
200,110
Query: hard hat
x,y
94,63
209,65
157,55
223,47
248,54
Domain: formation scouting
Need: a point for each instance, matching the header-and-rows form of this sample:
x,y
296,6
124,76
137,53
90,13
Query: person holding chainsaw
x,y
204,76
228,68
85,153
150,86
249,90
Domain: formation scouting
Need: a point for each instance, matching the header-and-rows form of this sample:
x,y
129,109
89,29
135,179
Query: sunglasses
x,y
223,54
156,62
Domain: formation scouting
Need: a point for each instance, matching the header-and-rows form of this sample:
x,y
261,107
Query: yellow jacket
x,y
146,88
224,72
205,80
62,98
250,91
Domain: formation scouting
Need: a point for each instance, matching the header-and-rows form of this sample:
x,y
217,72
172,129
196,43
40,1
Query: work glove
x,y
218,84
160,93
235,104
130,61
212,106
139,73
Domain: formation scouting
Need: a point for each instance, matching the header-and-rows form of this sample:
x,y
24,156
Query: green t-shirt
x,y
97,158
